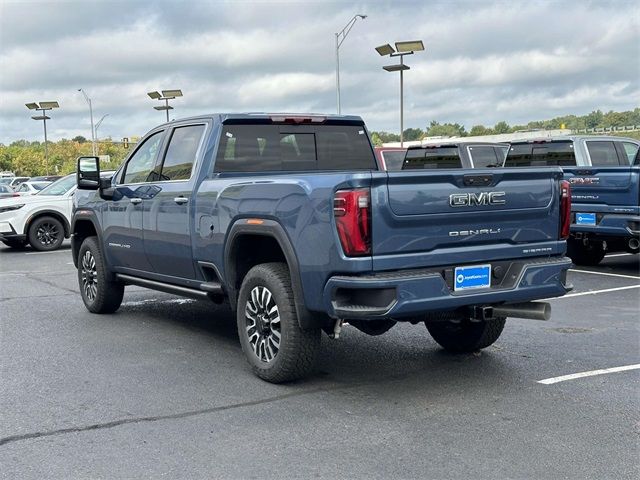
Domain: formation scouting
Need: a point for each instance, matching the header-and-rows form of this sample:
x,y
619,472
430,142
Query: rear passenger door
x,y
167,214
608,179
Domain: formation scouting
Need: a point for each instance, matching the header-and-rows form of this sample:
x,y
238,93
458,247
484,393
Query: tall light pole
x,y
340,36
43,107
93,132
402,49
96,130
166,96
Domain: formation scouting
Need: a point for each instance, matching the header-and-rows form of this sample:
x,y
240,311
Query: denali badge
x,y
475,199
469,233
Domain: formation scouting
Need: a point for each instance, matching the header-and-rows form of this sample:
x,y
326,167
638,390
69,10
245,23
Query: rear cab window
x,y
287,147
393,160
630,151
541,154
432,158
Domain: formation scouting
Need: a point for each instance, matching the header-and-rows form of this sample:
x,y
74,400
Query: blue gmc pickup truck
x,y
604,173
289,219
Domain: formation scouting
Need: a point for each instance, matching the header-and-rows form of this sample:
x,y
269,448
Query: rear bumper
x,y
409,293
611,225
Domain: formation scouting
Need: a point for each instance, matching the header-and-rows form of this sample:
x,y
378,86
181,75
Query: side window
x,y
483,157
140,165
603,154
631,150
181,153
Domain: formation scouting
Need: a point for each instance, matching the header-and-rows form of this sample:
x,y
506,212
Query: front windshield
x,y
60,187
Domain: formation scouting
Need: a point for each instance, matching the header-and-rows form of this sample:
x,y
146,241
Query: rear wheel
x,y
588,254
277,349
46,233
464,335
98,293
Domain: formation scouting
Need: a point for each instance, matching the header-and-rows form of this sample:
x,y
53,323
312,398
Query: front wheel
x,y
277,349
46,234
98,293
464,335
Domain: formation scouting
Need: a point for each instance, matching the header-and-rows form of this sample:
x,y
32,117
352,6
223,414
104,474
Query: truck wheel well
x,y
82,229
61,218
249,251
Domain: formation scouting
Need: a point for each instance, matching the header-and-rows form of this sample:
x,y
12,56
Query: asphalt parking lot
x,y
161,389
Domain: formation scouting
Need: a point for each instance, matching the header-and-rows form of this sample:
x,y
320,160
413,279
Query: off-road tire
x,y
586,255
298,348
46,234
103,296
464,335
13,243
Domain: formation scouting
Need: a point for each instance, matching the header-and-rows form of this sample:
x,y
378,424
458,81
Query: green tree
x,y
501,127
411,134
446,130
479,130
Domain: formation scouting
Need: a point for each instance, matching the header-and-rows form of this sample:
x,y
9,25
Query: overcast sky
x,y
484,61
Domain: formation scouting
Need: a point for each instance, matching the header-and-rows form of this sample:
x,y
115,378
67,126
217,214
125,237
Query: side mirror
x,y
88,173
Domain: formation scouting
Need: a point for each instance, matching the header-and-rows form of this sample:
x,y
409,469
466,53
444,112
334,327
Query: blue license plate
x,y
478,276
585,218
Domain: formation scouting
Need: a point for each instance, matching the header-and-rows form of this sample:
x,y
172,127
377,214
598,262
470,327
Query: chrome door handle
x,y
181,200
136,201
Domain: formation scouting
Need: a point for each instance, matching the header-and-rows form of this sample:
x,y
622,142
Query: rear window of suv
x,y
432,158
268,148
541,154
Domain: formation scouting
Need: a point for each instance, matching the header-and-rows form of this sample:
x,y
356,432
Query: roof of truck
x,y
222,117
572,138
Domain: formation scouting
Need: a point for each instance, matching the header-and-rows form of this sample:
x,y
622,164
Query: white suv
x,y
42,220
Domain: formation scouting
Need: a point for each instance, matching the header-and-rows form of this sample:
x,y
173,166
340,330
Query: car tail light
x,y
565,209
352,211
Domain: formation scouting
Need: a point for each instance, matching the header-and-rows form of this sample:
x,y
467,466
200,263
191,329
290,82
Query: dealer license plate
x,y
467,278
585,218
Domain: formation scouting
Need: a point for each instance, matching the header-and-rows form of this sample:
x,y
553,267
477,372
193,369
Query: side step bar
x,y
208,288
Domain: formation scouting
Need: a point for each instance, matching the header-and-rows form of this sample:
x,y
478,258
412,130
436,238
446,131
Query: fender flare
x,y
273,229
83,215
54,213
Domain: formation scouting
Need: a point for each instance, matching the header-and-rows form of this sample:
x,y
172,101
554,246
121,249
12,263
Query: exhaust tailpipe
x,y
634,244
531,310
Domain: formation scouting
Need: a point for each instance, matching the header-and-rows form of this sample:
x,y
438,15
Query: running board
x,y
174,289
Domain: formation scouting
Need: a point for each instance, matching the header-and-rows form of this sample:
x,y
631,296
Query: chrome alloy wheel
x,y
89,276
263,324
47,233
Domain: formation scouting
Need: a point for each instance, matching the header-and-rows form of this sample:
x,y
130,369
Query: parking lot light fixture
x,y
402,49
166,95
93,133
340,37
43,107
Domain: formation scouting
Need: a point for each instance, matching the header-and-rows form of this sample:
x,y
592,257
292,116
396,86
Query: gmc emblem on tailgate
x,y
476,199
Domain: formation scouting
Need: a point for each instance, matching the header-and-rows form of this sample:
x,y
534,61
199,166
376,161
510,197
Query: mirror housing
x,y
88,173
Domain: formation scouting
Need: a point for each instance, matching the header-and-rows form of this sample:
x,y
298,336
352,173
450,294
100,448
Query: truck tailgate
x,y
604,185
441,212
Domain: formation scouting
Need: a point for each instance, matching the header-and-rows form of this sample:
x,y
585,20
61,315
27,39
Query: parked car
x,y
17,181
41,220
7,191
390,158
274,213
604,173
455,155
30,187
46,178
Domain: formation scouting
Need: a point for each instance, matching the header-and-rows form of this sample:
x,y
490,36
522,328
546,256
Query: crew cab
x,y
289,219
455,155
604,173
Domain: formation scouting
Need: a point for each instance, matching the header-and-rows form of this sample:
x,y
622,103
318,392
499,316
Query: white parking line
x,y
595,292
564,378
44,253
605,274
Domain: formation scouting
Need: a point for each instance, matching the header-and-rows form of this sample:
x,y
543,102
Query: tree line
x,y
595,119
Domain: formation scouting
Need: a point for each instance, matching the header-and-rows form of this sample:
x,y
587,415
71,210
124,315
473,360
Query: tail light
x,y
565,209
352,211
